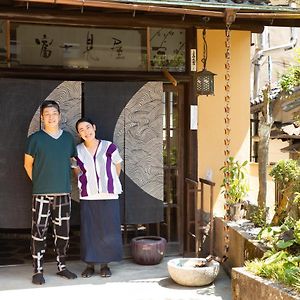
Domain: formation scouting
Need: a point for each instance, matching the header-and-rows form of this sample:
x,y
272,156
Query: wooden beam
x,y
255,14
56,17
148,49
169,76
7,41
264,15
230,16
85,74
132,7
256,108
68,18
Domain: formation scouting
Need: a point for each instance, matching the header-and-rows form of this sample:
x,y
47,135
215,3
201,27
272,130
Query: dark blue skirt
x,y
100,231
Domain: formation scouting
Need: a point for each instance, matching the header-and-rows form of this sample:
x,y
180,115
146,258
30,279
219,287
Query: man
x,y
47,163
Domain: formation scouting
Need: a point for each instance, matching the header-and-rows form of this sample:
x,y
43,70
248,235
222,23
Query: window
x,y
92,48
167,49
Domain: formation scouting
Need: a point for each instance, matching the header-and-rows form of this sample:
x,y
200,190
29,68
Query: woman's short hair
x,y
84,119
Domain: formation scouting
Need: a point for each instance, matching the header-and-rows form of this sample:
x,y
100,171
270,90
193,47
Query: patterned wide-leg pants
x,y
57,209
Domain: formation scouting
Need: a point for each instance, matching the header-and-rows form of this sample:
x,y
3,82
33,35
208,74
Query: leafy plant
x,y
235,184
290,79
171,62
258,217
282,237
287,174
279,266
296,119
281,262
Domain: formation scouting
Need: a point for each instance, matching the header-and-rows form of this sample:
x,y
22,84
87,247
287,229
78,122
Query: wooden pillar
x,y
191,99
191,141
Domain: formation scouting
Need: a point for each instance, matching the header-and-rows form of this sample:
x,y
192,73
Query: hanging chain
x,y
227,130
204,59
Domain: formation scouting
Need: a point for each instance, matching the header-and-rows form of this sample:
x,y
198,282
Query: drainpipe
x,y
256,60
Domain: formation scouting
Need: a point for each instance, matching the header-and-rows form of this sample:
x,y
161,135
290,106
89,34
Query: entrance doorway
x,y
171,228
173,128
170,222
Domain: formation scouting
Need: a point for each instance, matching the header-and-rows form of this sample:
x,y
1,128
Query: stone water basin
x,y
184,271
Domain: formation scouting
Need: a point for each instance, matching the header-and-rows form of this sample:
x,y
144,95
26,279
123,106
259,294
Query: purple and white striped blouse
x,y
98,173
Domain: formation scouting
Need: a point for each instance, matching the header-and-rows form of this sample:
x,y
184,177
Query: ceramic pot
x,y
236,211
148,250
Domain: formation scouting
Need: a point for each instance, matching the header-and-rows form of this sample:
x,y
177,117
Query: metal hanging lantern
x,y
205,78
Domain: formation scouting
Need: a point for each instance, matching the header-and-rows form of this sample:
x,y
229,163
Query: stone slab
x,y
247,286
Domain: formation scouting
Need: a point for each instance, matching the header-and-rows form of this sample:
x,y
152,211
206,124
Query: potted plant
x,y
235,188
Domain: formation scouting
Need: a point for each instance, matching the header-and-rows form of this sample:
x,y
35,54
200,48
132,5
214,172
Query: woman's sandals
x,y
105,271
88,272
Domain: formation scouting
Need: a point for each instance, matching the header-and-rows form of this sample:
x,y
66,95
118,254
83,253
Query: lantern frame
x,y
205,79
205,83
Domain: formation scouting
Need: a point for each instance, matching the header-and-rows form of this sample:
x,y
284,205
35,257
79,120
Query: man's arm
x,y
28,164
74,166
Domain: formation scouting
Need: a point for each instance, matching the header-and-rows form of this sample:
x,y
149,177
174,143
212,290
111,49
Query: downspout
x,y
256,60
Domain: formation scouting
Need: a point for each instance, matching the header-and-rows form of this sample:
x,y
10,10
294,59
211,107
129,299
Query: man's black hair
x,y
49,103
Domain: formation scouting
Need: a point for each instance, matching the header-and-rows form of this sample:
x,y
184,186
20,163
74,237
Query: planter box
x,y
247,286
241,247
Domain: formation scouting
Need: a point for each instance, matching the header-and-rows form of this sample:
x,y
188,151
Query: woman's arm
x,y
118,168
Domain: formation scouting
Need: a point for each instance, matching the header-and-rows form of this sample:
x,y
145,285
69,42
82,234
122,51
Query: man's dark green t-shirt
x,y
51,172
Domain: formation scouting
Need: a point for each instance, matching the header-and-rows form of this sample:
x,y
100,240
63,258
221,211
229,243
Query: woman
x,y
99,167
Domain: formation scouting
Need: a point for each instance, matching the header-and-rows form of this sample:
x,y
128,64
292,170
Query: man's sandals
x,y
66,274
39,279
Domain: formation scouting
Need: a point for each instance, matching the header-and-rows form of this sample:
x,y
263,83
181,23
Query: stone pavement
x,y
129,281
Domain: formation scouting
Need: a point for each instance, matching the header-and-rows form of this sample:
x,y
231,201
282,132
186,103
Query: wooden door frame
x,y
180,89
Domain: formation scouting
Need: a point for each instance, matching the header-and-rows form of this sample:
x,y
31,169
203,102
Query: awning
x,y
258,12
189,5
286,132
294,148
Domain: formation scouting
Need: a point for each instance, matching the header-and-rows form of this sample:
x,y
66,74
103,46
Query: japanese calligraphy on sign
x,y
79,47
45,43
117,48
89,48
100,48
167,48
